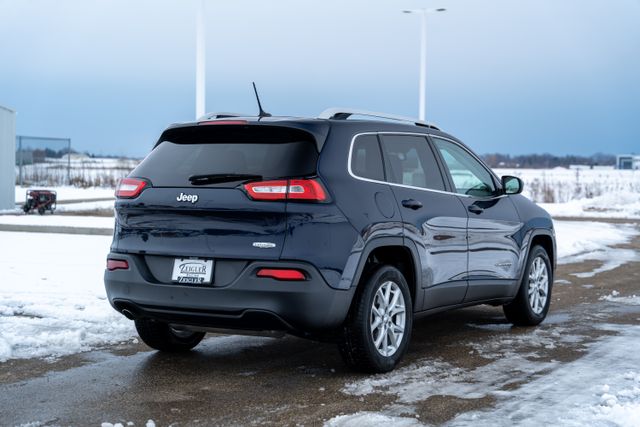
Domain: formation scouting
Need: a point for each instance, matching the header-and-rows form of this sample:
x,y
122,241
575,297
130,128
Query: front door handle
x,y
412,204
475,209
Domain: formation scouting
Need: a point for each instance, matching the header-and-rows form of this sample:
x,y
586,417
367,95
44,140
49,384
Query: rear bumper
x,y
248,303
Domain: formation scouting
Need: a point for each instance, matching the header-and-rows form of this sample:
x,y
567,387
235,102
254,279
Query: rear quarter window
x,y
366,158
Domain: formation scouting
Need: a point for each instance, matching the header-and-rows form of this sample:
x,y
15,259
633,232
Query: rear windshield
x,y
267,152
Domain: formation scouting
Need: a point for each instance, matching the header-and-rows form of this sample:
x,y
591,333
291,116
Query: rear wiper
x,y
214,178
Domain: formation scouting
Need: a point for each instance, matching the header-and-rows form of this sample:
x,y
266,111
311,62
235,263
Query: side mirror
x,y
512,185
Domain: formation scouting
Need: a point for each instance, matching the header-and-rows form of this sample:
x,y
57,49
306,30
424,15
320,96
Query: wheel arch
x,y
547,242
396,252
542,237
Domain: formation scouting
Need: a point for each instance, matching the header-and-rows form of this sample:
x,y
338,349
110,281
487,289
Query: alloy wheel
x,y
538,285
388,318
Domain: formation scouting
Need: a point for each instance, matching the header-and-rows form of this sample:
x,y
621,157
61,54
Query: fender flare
x,y
526,248
381,242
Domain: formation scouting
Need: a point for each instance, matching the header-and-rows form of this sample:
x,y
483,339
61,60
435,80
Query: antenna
x,y
261,112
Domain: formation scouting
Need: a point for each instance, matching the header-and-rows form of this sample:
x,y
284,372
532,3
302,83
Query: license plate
x,y
194,271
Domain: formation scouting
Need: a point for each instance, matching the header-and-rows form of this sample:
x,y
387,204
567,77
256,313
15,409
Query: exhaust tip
x,y
128,314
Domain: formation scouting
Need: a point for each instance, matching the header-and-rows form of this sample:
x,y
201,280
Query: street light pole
x,y
422,107
200,61
422,98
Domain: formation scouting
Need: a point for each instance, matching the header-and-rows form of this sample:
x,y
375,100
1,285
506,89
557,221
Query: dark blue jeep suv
x,y
327,228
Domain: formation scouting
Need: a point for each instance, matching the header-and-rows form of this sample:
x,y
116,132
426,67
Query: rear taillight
x,y
117,264
306,189
128,188
281,274
293,189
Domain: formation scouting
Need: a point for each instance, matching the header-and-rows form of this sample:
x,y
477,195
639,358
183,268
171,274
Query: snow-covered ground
x,y
52,297
621,205
59,220
600,389
590,193
562,185
85,171
574,238
580,241
105,205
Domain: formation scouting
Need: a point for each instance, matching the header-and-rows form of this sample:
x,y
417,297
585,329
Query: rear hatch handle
x,y
215,178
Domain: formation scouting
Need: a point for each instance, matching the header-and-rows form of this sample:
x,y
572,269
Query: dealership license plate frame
x,y
192,271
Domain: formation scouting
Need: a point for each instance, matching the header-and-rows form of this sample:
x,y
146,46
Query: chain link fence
x,y
44,161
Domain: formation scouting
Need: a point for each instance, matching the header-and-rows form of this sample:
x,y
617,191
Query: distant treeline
x,y
546,161
42,153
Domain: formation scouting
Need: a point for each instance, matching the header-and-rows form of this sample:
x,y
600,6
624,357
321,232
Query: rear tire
x,y
41,211
160,336
377,331
531,304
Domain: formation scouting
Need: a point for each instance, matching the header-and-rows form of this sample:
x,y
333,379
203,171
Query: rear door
x,y
434,219
493,223
196,203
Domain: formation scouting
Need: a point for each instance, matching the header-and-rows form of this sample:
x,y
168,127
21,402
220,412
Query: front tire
x,y
161,336
531,304
377,331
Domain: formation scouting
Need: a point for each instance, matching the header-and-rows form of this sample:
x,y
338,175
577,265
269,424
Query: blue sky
x,y
505,76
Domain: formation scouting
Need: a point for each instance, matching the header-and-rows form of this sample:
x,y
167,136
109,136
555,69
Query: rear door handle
x,y
412,204
475,209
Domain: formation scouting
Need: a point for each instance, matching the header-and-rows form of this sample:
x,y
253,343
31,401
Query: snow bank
x,y
624,205
59,221
366,419
580,237
52,297
85,206
579,241
615,297
149,423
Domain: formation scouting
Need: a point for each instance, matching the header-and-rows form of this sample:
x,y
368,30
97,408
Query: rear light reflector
x,y
293,189
281,274
129,188
117,264
267,190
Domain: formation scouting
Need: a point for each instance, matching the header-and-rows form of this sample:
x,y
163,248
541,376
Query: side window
x,y
411,162
469,176
366,159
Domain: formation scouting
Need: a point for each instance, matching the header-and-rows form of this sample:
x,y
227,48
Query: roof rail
x,y
222,115
345,113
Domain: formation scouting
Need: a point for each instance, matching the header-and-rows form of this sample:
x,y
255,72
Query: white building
x,y
7,158
628,161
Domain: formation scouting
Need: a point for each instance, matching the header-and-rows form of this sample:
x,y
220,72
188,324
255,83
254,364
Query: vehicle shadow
x,y
245,356
237,380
